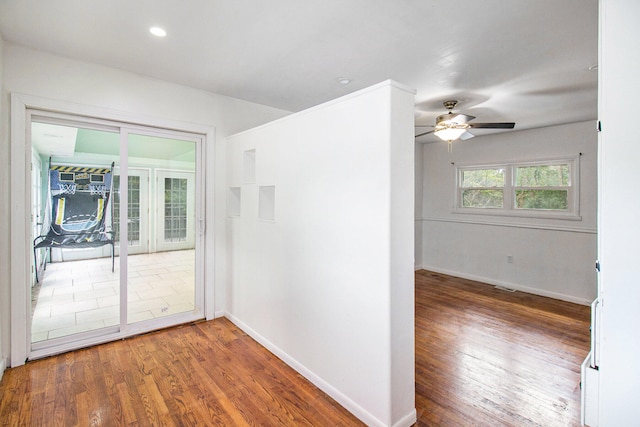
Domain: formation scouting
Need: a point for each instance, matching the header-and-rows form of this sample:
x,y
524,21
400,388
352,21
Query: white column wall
x,y
4,226
419,195
551,257
327,285
44,75
619,232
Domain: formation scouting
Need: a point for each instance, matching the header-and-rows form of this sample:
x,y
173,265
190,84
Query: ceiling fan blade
x,y
462,118
506,125
466,135
454,118
425,133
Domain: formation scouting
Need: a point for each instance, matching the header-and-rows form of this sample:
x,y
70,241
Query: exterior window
x,y
483,188
545,188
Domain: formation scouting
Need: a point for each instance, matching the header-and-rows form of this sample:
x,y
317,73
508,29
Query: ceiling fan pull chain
x,y
449,146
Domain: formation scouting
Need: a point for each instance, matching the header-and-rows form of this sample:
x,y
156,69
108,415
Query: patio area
x,y
84,295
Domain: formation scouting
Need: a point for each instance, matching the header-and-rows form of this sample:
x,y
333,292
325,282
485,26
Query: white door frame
x,y
21,205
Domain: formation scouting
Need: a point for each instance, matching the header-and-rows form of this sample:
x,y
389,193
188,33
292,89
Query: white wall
x,y
551,257
418,156
327,285
618,210
44,75
4,225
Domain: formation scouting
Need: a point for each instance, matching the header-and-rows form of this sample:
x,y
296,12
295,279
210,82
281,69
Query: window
x,y
482,188
543,188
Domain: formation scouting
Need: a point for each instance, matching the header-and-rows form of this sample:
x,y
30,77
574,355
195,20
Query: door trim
x,y
20,336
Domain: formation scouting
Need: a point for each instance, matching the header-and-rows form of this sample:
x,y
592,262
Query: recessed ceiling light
x,y
343,80
157,31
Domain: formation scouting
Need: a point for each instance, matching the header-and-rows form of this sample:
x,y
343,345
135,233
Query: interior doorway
x,y
130,261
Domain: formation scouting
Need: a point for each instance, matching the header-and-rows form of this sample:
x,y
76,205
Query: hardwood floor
x,y
484,357
207,374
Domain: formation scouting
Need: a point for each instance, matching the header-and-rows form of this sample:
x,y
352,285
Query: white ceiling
x,y
526,61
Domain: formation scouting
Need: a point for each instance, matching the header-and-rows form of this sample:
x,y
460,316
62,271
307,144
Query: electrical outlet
x,y
510,259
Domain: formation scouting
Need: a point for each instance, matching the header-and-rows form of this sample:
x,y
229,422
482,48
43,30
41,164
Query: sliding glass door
x,y
115,242
163,282
75,290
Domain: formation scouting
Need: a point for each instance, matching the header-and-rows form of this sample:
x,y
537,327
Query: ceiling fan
x,y
451,126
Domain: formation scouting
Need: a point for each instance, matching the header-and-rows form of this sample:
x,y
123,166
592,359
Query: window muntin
x,y
528,188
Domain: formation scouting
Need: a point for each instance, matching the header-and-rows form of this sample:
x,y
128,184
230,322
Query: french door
x,y
148,273
176,204
138,210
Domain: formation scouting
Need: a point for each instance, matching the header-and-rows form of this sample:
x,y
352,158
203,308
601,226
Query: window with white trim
x,y
537,188
482,188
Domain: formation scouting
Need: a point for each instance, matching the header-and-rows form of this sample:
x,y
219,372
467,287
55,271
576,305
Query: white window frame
x,y
509,208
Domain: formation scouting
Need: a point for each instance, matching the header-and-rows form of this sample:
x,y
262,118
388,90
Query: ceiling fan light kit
x,y
449,132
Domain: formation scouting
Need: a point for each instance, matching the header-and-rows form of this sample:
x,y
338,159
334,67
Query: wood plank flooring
x,y
484,357
207,374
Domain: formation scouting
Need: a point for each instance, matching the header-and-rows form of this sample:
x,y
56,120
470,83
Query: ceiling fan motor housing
x,y
450,105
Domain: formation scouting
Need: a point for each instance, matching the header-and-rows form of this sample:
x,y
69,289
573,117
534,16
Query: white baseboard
x,y
517,287
338,396
407,421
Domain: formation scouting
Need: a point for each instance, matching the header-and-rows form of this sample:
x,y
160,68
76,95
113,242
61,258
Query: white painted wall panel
x,y
419,163
328,284
4,223
551,257
618,214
